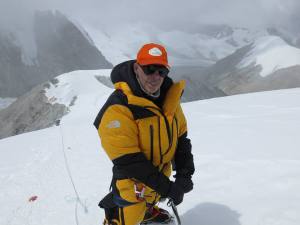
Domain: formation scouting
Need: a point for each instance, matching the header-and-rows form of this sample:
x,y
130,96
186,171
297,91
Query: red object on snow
x,y
33,198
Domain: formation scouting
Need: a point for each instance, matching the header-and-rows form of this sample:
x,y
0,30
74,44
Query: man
x,y
143,131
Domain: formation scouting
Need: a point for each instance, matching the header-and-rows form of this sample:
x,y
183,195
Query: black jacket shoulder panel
x,y
124,72
140,112
116,98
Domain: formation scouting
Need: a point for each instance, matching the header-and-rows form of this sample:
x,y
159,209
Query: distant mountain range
x,y
61,45
215,60
212,58
269,63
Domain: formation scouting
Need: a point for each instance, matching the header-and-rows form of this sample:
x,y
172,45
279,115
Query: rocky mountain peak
x,y
58,46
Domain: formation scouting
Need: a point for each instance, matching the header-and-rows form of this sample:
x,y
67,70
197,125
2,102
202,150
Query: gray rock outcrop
x,y
30,112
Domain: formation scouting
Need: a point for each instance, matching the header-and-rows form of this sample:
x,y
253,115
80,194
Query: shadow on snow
x,y
211,214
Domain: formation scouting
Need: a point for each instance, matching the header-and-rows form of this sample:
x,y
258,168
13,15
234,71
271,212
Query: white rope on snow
x,y
78,199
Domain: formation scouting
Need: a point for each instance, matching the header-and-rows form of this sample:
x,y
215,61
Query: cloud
x,y
178,13
168,14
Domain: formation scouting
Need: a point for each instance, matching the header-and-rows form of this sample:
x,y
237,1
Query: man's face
x,y
150,82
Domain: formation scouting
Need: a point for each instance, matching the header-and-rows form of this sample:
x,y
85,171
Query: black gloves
x,y
175,193
185,183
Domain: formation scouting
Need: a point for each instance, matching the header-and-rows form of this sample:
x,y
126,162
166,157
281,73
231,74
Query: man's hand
x,y
186,184
175,193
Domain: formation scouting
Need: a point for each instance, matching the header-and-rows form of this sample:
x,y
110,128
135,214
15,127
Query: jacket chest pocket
x,y
157,139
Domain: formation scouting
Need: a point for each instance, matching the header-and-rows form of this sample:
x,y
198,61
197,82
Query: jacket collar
x,y
123,78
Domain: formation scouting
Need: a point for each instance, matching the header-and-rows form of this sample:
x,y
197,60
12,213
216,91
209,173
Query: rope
x,y
76,213
78,199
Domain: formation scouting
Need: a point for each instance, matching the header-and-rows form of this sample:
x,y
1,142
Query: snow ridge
x,y
271,53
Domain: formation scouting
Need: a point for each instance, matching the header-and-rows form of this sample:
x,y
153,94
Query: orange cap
x,y
152,54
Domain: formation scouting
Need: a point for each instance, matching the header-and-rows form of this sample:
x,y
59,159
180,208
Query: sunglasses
x,y
151,69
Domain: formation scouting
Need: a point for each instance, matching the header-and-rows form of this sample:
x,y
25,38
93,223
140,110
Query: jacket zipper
x,y
172,133
168,129
166,122
170,137
151,143
177,131
159,141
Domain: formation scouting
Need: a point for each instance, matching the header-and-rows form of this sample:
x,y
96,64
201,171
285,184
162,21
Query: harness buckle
x,y
139,192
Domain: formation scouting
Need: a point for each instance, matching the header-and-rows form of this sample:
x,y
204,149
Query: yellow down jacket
x,y
141,137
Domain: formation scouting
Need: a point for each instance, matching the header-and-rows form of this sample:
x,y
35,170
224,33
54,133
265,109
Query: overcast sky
x,y
167,14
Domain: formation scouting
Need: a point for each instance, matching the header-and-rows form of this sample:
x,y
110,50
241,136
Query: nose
x,y
156,74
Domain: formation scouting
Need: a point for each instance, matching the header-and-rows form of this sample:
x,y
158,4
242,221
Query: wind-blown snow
x,y
246,150
187,48
24,38
5,102
272,54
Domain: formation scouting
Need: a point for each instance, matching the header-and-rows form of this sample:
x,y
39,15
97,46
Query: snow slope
x,y
246,150
64,88
272,54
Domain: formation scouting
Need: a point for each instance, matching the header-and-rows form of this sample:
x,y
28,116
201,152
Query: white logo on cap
x,y
155,51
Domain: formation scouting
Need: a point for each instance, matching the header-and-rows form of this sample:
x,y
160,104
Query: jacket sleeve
x,y
119,137
184,160
137,166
